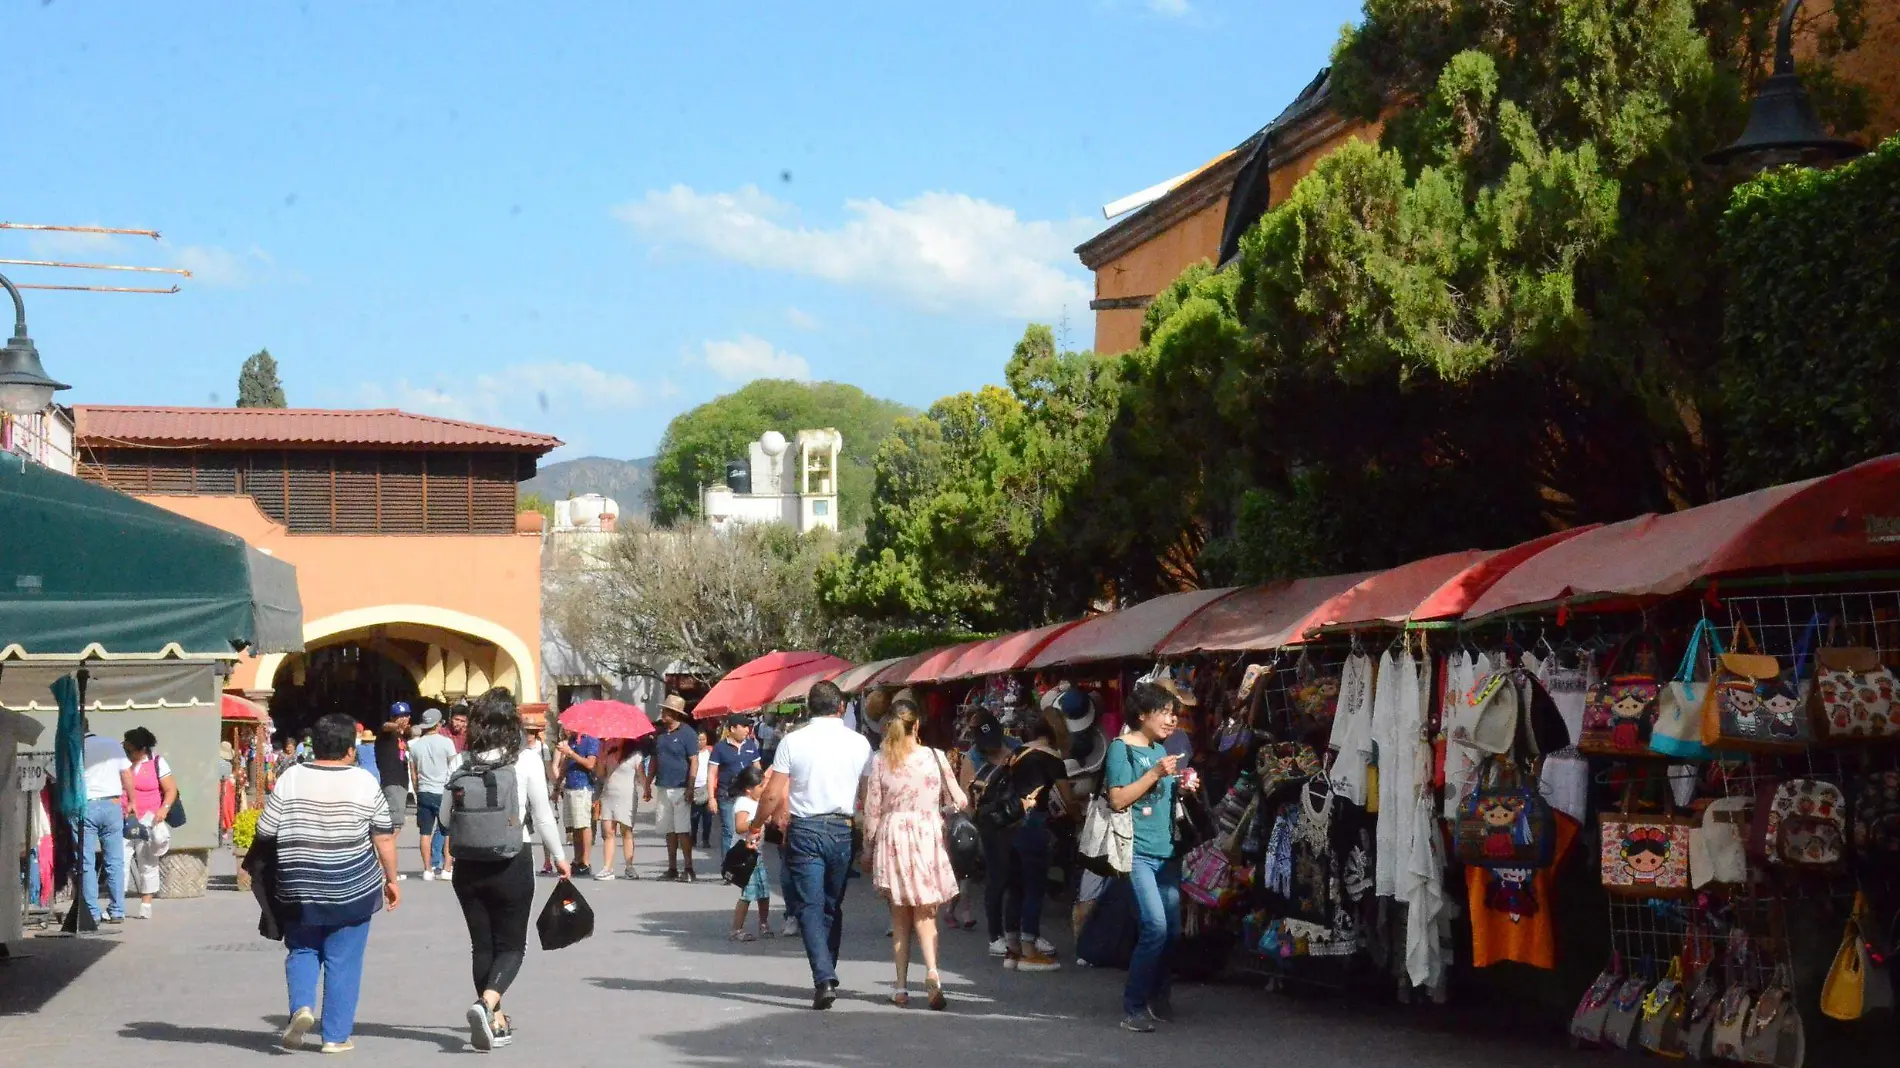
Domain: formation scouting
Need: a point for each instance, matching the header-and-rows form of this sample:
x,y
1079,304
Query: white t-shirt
x,y
824,761
700,764
744,806
433,757
105,759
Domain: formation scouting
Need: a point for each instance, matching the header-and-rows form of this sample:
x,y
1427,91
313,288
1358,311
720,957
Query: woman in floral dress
x,y
906,790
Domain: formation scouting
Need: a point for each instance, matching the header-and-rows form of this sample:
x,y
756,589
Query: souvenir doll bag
x,y
1678,731
1853,695
1645,854
1753,705
1801,825
1619,713
1504,821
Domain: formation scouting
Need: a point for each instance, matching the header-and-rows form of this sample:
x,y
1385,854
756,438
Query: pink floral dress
x,y
903,828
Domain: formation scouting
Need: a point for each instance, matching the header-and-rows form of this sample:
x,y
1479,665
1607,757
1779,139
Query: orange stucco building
x,y
417,577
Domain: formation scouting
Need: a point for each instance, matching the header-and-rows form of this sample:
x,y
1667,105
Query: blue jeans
x,y
33,874
818,863
1157,886
336,953
1030,851
104,825
727,835
429,825
787,892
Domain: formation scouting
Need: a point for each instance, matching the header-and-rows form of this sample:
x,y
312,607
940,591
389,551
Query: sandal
x,y
901,998
933,985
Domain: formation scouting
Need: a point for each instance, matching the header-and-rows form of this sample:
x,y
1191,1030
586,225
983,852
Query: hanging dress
x,y
1351,743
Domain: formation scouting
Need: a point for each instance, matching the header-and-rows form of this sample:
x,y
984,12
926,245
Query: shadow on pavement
x,y
46,966
264,1038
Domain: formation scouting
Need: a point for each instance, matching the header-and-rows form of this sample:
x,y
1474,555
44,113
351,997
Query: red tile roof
x,y
104,424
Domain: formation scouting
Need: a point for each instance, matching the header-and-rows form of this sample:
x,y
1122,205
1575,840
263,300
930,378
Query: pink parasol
x,y
607,719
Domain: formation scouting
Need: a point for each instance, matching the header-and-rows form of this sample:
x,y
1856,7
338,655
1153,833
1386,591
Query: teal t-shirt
x,y
1154,812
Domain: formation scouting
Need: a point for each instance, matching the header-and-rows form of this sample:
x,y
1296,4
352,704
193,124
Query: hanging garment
x,y
1385,734
1462,675
1351,742
1568,688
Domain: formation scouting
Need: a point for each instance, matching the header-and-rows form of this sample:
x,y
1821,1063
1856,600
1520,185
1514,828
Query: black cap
x,y
987,734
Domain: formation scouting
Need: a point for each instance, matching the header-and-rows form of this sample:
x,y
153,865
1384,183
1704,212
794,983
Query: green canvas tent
x,y
87,572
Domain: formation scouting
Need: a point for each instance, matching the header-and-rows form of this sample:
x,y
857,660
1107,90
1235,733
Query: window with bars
x,y
315,492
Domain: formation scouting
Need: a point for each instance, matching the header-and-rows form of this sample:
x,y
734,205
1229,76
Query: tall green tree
x,y
258,386
694,450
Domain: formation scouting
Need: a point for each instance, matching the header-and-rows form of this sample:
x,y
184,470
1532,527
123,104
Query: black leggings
x,y
496,897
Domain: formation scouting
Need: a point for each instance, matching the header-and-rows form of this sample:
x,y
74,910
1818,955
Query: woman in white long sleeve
x,y
494,883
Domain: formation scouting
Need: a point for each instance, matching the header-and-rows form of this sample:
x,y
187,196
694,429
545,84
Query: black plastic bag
x,y
961,841
740,861
565,919
1108,938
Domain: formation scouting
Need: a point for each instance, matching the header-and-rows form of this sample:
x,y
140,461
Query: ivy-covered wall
x,y
1811,379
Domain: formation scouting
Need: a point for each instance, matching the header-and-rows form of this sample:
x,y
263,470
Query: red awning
x,y
852,680
1849,520
1452,599
897,671
1007,653
799,688
237,708
754,683
1251,618
1132,633
936,666
1383,597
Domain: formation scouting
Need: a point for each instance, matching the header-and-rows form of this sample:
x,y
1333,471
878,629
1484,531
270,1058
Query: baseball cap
x,y
987,733
431,716
399,710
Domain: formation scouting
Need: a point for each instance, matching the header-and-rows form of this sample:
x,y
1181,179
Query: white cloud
x,y
748,357
942,252
802,319
524,395
1174,9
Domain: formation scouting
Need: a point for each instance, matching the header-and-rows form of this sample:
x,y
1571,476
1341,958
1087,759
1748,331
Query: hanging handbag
x,y
1755,706
1284,765
1800,825
1504,821
1626,1011
1207,877
1645,854
1586,1023
1853,695
1774,1035
1678,731
1661,1029
1718,849
1731,1020
1619,713
1699,1016
1858,982
1876,828
960,839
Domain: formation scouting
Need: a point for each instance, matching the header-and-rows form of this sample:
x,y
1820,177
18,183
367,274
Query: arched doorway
x,y
349,677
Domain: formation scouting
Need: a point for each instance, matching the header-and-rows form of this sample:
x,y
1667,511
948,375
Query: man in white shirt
x,y
814,781
108,801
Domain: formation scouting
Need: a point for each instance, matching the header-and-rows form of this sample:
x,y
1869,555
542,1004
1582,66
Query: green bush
x,y
1812,328
244,829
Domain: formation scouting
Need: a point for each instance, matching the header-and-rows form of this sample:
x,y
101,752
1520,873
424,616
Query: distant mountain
x,y
626,481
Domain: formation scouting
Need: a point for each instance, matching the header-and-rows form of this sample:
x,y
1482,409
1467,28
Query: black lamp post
x,y
24,387
1782,126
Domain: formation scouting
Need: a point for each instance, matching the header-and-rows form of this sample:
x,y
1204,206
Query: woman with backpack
x,y
154,792
497,803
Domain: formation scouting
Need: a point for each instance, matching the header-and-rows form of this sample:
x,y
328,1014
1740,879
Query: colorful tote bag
x,y
1801,825
1678,730
1619,713
1854,695
1645,854
1504,821
1753,705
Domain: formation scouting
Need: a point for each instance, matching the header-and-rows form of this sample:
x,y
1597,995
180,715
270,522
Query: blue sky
x,y
586,218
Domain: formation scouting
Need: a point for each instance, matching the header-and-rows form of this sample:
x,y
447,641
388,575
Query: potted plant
x,y
243,833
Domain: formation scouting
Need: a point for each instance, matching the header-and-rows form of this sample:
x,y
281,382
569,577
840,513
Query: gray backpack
x,y
484,812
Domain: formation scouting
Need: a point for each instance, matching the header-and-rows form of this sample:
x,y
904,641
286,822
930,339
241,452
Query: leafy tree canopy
x,y
258,386
694,450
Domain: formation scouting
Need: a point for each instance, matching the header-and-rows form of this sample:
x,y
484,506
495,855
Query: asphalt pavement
x,y
659,984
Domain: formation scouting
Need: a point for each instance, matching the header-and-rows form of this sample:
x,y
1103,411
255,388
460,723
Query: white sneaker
x,y
999,948
441,875
428,875
790,930
401,879
603,876
1045,947
145,910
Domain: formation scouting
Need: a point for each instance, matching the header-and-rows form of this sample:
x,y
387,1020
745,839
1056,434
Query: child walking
x,y
745,808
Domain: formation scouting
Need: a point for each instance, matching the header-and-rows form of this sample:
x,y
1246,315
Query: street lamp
x,y
24,388
1782,126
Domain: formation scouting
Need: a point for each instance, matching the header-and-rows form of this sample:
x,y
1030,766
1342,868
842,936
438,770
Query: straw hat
x,y
226,751
675,705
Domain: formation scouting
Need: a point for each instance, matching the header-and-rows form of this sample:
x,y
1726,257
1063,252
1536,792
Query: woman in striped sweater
x,y
336,866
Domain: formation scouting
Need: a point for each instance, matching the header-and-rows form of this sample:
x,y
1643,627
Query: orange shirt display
x,y
1512,911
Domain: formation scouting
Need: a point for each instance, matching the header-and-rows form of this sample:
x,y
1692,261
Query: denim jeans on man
x,y
818,860
335,952
429,822
727,834
104,825
1157,887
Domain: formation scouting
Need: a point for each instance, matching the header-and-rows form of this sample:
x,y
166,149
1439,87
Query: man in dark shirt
x,y
674,753
734,753
392,761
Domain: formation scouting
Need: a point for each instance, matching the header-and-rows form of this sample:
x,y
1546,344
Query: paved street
x,y
659,984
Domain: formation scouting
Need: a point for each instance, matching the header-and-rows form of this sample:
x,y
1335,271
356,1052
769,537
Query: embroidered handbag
x,y
1699,1016
1774,1035
1678,731
1800,824
1853,695
1753,705
1663,1007
1645,854
1207,877
1286,764
1731,1019
1586,1023
1619,713
1504,821
1877,819
1626,1010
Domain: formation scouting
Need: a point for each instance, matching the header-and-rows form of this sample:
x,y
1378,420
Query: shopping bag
x,y
1620,712
1645,854
739,862
565,919
961,842
1678,730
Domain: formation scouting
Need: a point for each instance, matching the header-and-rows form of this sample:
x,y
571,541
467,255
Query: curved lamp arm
x,y
19,308
1784,39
